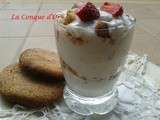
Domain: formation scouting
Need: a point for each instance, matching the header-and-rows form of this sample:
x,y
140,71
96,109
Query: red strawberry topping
x,y
88,12
115,9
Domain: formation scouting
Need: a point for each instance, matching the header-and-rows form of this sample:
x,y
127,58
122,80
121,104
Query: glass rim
x,y
133,22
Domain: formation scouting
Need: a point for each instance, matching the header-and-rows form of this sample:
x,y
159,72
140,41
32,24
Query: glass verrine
x,y
92,64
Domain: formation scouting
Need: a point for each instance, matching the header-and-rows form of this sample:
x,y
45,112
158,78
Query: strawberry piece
x,y
115,9
88,12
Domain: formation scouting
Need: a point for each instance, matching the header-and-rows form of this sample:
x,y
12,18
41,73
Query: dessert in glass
x,y
92,44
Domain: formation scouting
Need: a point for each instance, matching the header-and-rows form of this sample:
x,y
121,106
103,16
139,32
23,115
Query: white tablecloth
x,y
139,98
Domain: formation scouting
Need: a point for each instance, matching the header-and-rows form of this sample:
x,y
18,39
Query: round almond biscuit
x,y
41,61
22,88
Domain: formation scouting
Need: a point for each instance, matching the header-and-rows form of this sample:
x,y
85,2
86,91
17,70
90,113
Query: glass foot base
x,y
88,106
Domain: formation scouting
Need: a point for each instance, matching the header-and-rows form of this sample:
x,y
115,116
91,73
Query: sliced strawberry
x,y
115,9
88,12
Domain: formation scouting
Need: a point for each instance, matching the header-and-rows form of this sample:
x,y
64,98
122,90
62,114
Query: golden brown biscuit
x,y
41,61
21,88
